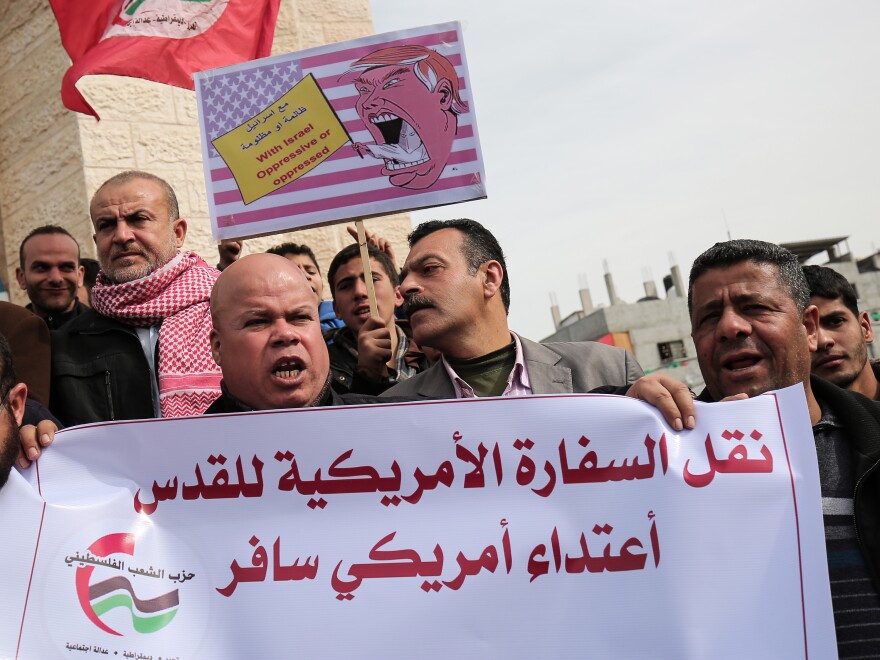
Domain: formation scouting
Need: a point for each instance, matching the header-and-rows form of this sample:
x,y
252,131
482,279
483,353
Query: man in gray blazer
x,y
456,297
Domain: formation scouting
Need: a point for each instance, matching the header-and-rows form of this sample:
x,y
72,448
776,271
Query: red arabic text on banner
x,y
161,40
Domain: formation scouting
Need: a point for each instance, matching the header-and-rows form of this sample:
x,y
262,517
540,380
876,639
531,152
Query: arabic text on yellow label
x,y
283,142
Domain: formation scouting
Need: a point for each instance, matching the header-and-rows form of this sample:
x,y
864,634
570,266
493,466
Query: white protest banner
x,y
367,127
546,526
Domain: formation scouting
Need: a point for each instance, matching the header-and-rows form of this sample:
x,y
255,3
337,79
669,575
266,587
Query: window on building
x,y
671,350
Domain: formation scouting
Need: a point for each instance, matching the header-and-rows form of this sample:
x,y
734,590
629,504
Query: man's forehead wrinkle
x,y
121,197
307,308
122,209
730,292
709,305
425,257
747,295
136,211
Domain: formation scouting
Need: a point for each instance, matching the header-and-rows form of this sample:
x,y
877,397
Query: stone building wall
x,y
52,160
41,162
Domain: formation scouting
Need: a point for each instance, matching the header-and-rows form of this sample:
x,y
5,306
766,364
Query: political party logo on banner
x,y
544,526
283,141
103,584
172,19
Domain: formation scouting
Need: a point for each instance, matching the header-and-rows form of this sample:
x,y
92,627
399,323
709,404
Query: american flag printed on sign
x,y
346,185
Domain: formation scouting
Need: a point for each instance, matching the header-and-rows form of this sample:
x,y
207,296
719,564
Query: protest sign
x,y
545,526
351,130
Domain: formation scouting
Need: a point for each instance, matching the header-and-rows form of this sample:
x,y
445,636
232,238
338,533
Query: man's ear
x,y
17,397
81,274
811,323
178,228
398,297
19,275
214,338
867,330
493,274
444,91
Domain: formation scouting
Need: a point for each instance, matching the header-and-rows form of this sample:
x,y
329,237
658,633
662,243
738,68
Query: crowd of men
x,y
165,334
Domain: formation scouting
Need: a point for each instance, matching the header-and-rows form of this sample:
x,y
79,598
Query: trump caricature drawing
x,y
408,98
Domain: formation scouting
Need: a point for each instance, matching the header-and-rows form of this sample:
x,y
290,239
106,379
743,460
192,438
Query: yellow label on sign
x,y
283,142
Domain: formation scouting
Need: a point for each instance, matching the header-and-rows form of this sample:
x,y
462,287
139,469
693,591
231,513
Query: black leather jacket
x,y
99,372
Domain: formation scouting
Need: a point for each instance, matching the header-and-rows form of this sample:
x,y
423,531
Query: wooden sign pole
x,y
368,271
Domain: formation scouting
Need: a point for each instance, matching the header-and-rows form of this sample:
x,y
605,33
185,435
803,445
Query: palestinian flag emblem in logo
x,y
104,593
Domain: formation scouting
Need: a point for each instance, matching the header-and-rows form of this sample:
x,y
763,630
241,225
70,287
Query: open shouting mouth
x,y
288,369
402,147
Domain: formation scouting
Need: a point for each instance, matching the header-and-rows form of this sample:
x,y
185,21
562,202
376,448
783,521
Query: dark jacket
x,y
35,412
99,372
58,320
860,418
29,340
343,364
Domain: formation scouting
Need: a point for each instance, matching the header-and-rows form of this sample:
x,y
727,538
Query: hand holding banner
x,y
554,526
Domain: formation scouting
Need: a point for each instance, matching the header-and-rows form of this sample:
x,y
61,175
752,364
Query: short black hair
x,y
90,271
294,248
353,251
478,246
729,253
828,283
7,369
43,231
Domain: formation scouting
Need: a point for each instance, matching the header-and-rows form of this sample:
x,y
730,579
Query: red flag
x,y
161,40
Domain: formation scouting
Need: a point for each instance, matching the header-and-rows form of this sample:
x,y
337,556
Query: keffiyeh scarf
x,y
176,296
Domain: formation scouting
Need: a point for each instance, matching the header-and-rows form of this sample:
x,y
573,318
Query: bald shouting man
x,y
267,339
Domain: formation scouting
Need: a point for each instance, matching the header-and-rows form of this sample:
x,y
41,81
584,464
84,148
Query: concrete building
x,y
863,274
52,160
658,331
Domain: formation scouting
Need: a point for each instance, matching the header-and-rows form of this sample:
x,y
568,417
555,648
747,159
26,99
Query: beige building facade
x,y
52,160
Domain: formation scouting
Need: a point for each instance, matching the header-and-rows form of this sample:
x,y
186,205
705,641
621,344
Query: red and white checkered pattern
x,y
176,296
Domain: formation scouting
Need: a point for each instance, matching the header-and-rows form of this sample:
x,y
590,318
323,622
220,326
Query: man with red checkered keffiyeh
x,y
143,350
